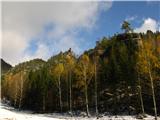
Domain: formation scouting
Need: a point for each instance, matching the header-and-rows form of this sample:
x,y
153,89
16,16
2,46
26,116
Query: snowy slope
x,y
9,113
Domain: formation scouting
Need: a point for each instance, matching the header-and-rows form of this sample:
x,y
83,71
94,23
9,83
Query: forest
x,y
120,75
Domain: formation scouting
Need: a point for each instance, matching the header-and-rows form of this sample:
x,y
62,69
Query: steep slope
x,y
5,66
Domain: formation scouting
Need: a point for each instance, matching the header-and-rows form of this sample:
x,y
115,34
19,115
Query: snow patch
x,y
9,113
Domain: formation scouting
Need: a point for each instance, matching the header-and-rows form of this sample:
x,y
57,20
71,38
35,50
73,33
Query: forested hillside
x,y
5,66
121,75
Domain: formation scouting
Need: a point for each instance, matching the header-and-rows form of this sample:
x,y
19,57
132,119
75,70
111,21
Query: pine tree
x,y
126,27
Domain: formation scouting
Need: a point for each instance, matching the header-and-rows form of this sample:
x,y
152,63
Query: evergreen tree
x,y
126,27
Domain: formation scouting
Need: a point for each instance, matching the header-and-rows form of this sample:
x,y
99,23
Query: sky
x,y
42,29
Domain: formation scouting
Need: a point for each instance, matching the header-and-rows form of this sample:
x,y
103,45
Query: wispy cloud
x,y
131,18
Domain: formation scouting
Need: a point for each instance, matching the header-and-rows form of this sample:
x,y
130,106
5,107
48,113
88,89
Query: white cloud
x,y
21,21
42,50
148,24
105,5
68,42
159,26
12,46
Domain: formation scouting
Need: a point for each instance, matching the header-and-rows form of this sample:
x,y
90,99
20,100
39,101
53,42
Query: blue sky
x,y
110,21
43,29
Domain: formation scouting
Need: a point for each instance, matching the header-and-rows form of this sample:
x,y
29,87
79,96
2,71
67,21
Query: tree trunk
x,y
70,89
151,80
153,93
60,96
15,98
44,103
96,102
67,82
21,93
140,95
86,92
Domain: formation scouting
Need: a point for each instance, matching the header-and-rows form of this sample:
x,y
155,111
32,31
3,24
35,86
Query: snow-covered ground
x,y
9,113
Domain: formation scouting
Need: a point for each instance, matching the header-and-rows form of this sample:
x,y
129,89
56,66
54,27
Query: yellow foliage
x,y
146,56
58,69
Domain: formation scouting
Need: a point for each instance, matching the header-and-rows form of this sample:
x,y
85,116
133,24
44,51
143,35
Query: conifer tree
x,y
126,27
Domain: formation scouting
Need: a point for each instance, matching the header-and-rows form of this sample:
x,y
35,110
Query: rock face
x,y
5,66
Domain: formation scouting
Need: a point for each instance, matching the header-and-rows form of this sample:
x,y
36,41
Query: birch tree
x,y
22,80
95,83
85,73
57,71
148,62
70,65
